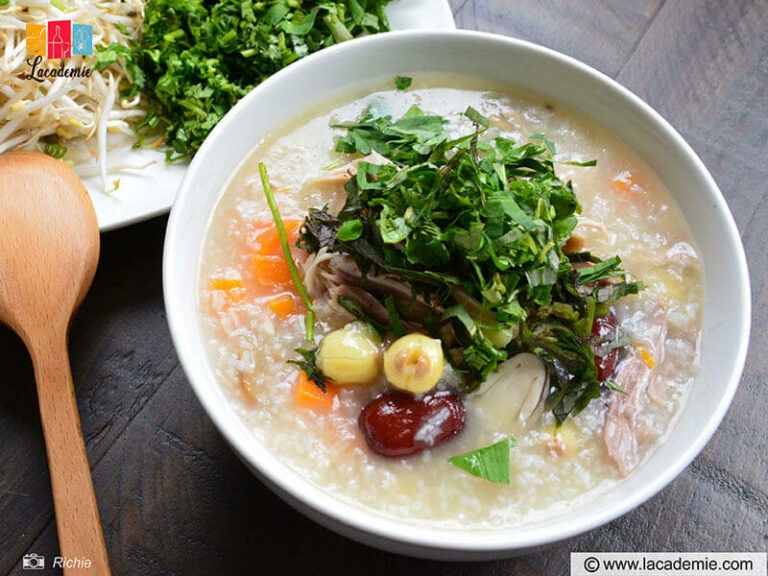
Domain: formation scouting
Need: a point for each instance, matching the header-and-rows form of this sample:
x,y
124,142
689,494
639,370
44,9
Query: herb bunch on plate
x,y
197,58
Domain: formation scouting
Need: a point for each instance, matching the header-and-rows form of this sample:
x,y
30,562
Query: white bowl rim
x,y
351,519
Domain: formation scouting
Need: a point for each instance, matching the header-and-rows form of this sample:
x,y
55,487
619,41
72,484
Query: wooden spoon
x,y
49,249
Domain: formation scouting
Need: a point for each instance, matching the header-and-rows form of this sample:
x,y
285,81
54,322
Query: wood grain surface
x,y
40,288
174,499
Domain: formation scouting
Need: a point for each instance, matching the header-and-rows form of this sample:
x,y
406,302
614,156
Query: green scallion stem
x,y
613,385
303,294
339,31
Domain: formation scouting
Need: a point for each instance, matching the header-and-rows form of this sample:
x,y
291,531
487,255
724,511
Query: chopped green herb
x,y
309,365
106,55
55,150
197,58
403,82
490,463
599,270
587,164
350,230
613,385
475,226
477,117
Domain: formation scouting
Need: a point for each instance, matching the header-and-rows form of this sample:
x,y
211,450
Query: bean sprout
x,y
84,113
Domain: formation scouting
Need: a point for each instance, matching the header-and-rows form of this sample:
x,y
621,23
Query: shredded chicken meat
x,y
635,376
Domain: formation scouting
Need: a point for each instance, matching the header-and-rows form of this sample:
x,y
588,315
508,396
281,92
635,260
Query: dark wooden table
x,y
175,500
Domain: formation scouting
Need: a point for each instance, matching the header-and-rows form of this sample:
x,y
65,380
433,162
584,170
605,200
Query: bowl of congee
x,y
455,295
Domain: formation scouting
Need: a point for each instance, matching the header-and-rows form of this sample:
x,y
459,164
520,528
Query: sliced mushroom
x,y
513,396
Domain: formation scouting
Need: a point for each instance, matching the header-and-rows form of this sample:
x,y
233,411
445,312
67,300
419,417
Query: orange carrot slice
x,y
225,283
225,291
283,305
309,395
645,356
624,187
271,271
265,240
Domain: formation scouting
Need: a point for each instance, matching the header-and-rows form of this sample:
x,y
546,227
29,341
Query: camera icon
x,y
33,562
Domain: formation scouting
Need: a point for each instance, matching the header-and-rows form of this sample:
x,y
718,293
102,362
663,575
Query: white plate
x,y
147,192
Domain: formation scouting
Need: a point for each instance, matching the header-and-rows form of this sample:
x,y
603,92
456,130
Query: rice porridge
x,y
568,437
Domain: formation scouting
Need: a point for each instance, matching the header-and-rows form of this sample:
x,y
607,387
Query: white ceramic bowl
x,y
333,71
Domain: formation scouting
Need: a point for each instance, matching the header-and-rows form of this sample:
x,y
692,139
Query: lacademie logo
x,y
59,39
56,40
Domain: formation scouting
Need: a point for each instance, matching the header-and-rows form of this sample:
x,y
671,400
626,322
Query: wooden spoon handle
x,y
77,515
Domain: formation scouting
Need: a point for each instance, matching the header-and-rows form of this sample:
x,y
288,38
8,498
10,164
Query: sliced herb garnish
x,y
309,365
475,225
300,288
55,150
613,385
490,463
403,82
